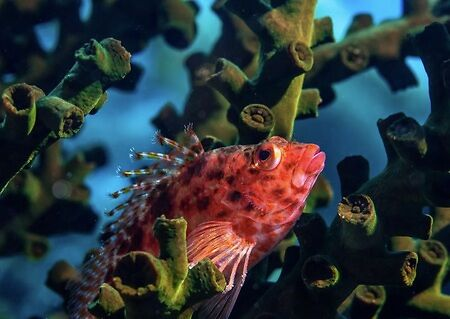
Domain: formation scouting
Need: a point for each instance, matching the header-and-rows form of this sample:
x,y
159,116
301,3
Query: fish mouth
x,y
317,163
308,168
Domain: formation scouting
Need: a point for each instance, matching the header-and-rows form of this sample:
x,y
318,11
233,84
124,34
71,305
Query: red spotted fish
x,y
239,202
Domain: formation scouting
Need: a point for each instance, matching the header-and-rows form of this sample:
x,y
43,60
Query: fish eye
x,y
267,156
264,155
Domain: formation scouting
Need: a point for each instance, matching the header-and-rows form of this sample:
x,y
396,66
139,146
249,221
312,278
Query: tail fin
x,y
102,262
93,274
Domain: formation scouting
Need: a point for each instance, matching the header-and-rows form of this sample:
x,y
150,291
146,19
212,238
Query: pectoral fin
x,y
230,253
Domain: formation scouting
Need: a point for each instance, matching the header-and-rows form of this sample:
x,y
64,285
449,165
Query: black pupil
x,y
263,155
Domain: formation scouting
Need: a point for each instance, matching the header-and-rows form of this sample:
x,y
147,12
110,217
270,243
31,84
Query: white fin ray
x,y
194,143
230,253
141,186
133,201
136,155
178,148
220,306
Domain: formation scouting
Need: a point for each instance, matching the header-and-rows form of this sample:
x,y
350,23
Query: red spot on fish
x,y
222,214
215,174
234,196
230,179
279,191
203,203
185,202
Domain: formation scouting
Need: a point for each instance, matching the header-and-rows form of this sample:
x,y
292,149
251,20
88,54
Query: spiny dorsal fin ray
x,y
141,186
130,202
178,148
119,235
193,142
136,155
179,154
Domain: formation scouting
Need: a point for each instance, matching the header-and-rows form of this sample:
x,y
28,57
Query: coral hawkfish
x,y
239,202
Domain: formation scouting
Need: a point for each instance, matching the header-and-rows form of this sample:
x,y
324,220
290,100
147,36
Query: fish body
x,y
239,202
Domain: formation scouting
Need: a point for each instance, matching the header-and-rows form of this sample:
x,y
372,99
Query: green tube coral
x,y
334,261
19,107
40,121
145,286
286,32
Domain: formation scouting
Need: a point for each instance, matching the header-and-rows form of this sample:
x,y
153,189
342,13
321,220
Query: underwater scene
x,y
215,159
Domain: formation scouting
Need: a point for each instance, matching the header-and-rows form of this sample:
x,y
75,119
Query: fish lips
x,y
306,172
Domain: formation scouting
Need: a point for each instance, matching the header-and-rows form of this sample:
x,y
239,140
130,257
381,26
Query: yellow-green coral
x,y
41,120
166,287
286,33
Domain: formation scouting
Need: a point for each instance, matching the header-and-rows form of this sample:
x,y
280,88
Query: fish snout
x,y
309,165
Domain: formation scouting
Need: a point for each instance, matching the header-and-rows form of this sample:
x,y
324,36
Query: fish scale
x,y
239,203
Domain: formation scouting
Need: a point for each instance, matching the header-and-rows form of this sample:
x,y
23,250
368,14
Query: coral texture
x,y
275,48
144,286
384,47
33,121
385,254
50,199
27,61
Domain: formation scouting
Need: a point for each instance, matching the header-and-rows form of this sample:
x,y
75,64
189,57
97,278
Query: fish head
x,y
273,179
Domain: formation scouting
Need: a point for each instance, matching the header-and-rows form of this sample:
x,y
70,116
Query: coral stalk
x,y
165,287
61,113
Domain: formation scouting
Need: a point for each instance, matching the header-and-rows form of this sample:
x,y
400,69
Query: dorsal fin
x,y
119,235
193,142
178,149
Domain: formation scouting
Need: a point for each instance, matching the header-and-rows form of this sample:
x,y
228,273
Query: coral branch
x,y
332,263
425,298
19,107
285,56
25,60
147,287
109,304
260,62
384,47
60,114
256,121
434,48
33,202
353,172
398,191
59,276
367,302
418,156
309,103
318,273
205,107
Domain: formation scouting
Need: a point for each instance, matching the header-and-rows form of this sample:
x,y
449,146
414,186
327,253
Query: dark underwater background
x,y
346,127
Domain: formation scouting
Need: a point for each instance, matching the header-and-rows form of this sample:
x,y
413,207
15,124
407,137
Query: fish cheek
x,y
230,180
277,219
270,218
233,199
